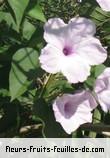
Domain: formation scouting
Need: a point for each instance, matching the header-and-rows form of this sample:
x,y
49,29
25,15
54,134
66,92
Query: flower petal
x,y
104,4
75,69
54,32
54,23
82,26
79,105
104,100
49,59
91,50
58,33
100,85
102,89
71,125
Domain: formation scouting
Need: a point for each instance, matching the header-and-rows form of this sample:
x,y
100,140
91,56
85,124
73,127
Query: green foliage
x,y
28,29
99,69
37,13
24,66
18,10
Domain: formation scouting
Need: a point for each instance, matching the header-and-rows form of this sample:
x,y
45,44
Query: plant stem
x,y
45,85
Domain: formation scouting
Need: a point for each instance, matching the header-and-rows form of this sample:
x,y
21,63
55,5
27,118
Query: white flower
x,y
71,48
102,89
104,4
73,110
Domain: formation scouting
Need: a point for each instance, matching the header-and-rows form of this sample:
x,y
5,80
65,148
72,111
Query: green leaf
x,y
4,16
99,69
89,82
28,29
37,13
24,66
95,72
99,16
18,8
4,92
96,116
36,38
57,84
3,49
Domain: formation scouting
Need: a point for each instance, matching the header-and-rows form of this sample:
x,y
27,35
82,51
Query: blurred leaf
x,y
99,16
28,97
37,38
18,8
57,85
37,13
87,7
95,72
90,82
96,116
24,65
99,69
4,92
28,29
3,49
4,16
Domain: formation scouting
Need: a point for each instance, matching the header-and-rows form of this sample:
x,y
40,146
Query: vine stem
x,y
48,78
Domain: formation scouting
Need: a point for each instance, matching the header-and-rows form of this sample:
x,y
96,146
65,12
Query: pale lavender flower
x,y
73,110
102,89
71,48
104,4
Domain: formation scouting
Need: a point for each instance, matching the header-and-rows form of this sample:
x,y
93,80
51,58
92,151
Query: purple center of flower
x,y
67,51
68,109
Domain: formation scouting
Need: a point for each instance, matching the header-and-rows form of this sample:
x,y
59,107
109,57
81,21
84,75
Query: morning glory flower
x,y
71,48
102,89
73,110
104,4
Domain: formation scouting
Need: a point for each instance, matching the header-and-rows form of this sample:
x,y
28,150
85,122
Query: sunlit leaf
x,y
37,13
24,66
18,8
